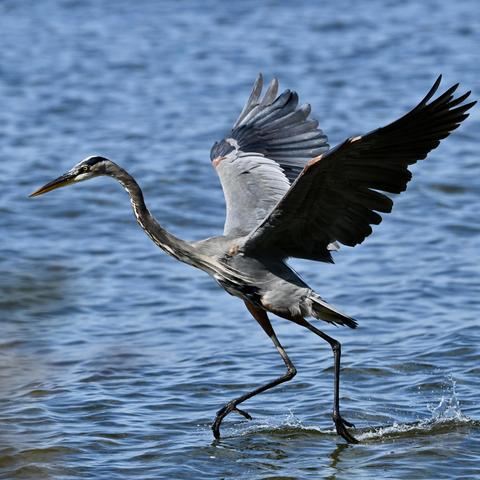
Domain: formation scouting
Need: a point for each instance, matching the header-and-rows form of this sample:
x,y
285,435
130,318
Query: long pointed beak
x,y
61,181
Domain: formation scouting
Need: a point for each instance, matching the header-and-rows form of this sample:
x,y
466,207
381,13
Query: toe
x,y
341,426
243,413
222,413
347,436
216,430
348,424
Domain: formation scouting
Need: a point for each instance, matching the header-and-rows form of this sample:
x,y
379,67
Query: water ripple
x,y
114,358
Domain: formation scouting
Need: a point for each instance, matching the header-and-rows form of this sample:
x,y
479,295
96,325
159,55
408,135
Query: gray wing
x,y
267,148
335,198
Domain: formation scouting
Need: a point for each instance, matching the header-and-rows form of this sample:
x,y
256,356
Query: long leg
x,y
340,424
261,317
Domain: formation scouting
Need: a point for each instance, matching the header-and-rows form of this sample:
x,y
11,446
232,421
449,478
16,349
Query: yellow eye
x,y
84,169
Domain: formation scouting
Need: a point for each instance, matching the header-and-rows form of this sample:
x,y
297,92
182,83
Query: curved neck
x,y
172,245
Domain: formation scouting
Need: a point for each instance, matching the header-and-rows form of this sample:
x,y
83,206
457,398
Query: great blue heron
x,y
289,195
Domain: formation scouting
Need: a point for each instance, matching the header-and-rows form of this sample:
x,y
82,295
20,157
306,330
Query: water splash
x,y
445,416
284,424
449,406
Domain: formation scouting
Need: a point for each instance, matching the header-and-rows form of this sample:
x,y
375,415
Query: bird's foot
x,y
243,413
223,412
341,426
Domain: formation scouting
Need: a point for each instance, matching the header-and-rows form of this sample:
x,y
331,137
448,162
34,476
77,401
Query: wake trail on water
x,y
445,416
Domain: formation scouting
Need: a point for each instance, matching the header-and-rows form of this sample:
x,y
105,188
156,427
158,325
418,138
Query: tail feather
x,y
324,311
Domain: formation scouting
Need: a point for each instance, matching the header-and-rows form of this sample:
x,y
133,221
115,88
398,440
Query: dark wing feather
x,y
277,128
271,141
335,197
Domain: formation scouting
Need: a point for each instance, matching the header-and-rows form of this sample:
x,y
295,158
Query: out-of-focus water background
x,y
114,358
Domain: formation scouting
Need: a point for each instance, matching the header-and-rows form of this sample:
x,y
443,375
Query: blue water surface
x,y
114,358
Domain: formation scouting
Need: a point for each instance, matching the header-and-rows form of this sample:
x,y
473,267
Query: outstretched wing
x,y
335,198
268,147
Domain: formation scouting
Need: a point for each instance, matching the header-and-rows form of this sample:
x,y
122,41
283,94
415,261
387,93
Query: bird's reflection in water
x,y
335,457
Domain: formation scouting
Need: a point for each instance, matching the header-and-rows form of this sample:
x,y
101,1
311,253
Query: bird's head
x,y
89,168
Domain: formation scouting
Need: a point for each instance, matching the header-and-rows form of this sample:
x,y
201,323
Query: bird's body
x,y
289,195
277,289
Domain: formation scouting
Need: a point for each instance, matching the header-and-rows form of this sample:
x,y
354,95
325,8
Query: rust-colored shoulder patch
x,y
233,250
312,162
216,161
